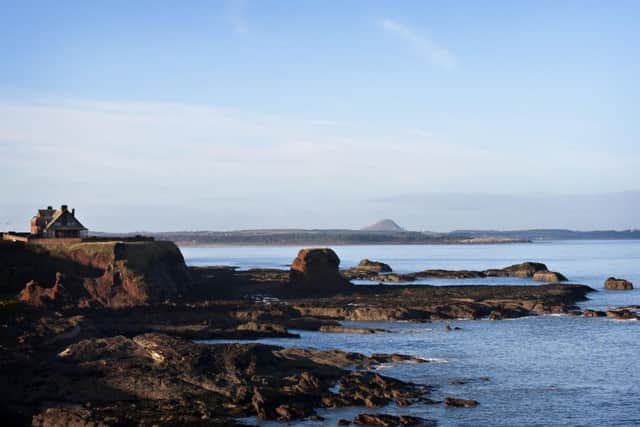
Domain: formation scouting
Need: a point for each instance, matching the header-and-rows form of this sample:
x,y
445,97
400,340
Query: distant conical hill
x,y
383,225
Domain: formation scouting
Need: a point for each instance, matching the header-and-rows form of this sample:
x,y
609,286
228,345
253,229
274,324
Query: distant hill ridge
x,y
383,225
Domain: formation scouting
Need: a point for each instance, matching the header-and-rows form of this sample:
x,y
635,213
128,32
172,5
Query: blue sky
x,y
248,114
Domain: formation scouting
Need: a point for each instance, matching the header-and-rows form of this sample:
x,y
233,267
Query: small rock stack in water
x,y
316,270
613,283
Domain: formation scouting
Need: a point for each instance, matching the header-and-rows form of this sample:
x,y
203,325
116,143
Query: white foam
x,y
435,359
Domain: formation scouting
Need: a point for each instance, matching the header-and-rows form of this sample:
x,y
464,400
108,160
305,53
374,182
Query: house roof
x,y
63,219
45,213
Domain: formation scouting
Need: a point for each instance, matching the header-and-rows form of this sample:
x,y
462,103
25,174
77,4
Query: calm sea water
x,y
543,370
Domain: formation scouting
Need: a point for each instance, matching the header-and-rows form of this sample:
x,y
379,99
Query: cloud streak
x,y
434,53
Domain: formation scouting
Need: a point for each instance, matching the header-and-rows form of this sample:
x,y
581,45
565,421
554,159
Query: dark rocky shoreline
x,y
109,341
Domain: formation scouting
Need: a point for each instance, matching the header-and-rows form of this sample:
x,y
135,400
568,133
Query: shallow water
x,y
544,370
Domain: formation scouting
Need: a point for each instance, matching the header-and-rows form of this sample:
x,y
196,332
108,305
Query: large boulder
x,y
615,284
317,270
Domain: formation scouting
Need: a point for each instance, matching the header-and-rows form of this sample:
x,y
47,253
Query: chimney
x,y
64,208
50,208
73,211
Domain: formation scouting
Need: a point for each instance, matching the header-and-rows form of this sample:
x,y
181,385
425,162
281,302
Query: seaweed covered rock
x,y
316,270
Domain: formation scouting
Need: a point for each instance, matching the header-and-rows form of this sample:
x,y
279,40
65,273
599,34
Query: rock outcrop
x,y
615,284
157,379
59,294
548,276
376,266
111,274
523,270
317,271
423,303
460,403
623,313
386,420
527,270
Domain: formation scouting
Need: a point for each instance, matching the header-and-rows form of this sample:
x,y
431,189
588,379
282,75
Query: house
x,y
57,223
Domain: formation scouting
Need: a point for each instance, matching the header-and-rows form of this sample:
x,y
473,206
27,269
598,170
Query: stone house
x,y
57,223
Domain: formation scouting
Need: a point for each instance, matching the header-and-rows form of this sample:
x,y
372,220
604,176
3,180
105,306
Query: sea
x,y
549,370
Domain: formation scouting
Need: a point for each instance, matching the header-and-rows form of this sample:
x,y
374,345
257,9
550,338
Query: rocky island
x,y
101,333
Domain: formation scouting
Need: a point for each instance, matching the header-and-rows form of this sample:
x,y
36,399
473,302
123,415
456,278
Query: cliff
x,y
111,274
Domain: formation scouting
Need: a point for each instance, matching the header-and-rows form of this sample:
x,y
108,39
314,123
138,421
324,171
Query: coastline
x,y
140,327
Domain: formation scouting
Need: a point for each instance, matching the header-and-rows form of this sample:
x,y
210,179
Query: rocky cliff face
x,y
109,274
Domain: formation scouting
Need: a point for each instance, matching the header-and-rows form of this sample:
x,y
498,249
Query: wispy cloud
x,y
236,13
437,55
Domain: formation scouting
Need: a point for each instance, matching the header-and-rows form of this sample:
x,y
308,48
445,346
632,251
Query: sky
x,y
220,115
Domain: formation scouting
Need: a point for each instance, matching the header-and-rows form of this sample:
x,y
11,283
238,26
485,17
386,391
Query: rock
x,y
38,296
613,283
110,274
449,274
495,315
374,266
170,377
408,420
394,277
621,314
343,422
525,269
593,313
372,390
460,403
396,358
316,270
74,416
341,358
548,276
348,330
273,328
386,420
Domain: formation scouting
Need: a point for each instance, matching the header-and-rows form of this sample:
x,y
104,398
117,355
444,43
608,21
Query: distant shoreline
x,y
327,243
333,237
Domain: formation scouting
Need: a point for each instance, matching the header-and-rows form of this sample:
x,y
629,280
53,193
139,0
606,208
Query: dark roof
x,y
63,219
45,213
